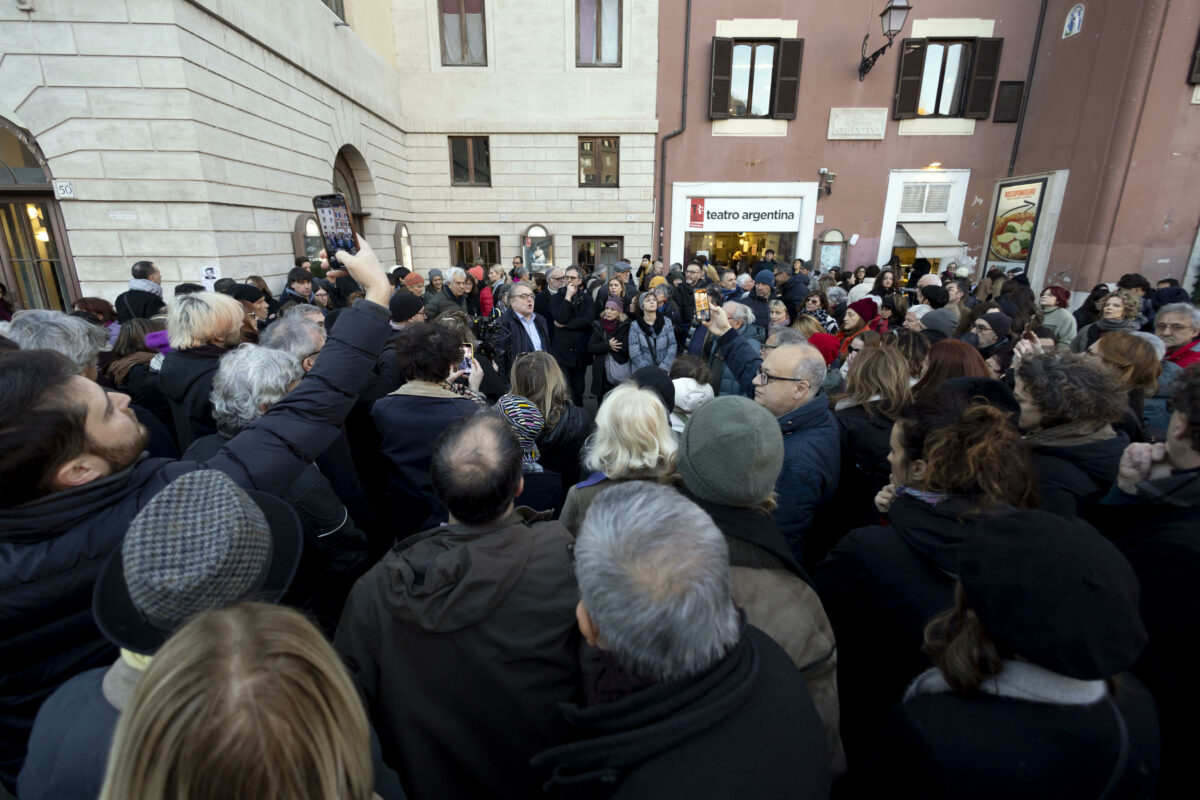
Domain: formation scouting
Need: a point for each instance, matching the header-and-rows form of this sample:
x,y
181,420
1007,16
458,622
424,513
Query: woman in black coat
x,y
955,460
1068,404
1029,695
610,337
133,369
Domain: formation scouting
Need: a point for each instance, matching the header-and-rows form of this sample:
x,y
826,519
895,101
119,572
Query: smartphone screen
x,y
337,226
701,296
468,352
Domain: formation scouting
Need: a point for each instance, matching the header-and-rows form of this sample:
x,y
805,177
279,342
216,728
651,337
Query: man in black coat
x,y
74,477
145,296
528,330
463,639
1152,514
791,288
683,294
709,707
572,310
556,278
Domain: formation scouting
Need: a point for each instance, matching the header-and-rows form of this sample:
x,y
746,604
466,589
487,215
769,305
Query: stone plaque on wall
x,y
857,123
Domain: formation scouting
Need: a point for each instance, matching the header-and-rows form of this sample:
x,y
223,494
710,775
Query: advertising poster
x,y
1015,225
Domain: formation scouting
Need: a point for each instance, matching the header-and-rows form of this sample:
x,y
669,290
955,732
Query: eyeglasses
x,y
1170,326
522,295
574,278
981,327
766,377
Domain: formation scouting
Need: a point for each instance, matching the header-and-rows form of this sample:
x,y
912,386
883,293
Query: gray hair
x,y
247,379
653,573
293,336
836,294
75,338
811,366
451,274
1186,309
788,336
1160,347
745,280
304,311
739,312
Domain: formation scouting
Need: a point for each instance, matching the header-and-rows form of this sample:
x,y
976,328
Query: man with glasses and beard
x,y
73,477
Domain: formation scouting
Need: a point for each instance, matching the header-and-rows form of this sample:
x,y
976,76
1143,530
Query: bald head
x,y
789,377
476,469
929,279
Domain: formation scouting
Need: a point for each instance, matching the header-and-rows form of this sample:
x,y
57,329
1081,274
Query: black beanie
x,y
404,305
657,381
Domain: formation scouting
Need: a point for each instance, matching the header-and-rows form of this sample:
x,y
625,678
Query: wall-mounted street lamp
x,y
892,18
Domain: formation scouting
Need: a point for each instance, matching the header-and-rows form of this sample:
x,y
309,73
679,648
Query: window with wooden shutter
x,y
908,79
982,85
1008,101
722,76
787,78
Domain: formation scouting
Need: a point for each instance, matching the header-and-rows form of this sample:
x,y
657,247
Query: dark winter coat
x,y
599,348
1066,475
52,548
463,641
760,307
136,303
792,294
141,384
387,367
745,727
811,462
1158,530
334,555
518,341
186,379
409,421
865,444
932,746
881,585
445,301
562,445
572,320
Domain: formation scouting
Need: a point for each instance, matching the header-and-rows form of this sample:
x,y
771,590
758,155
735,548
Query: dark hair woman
x,y
1029,314
1068,404
102,310
816,304
1044,624
885,284
956,460
1089,311
134,372
950,359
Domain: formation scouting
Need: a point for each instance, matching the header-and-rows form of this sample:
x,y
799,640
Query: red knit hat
x,y
826,344
865,308
476,272
413,279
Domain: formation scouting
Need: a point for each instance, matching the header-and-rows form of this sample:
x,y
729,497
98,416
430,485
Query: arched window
x,y
306,238
35,262
403,246
537,247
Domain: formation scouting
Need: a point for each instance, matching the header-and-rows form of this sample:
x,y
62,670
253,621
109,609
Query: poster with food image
x,y
1015,224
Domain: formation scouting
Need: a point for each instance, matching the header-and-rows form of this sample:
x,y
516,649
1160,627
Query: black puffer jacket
x,y
562,446
572,322
186,380
51,549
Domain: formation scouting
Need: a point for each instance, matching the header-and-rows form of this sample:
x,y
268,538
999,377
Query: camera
x,y
492,336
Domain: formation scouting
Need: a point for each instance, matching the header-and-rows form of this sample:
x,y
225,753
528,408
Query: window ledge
x,y
749,127
940,126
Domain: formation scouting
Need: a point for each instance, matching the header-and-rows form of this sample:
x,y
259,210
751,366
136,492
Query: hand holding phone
x,y
466,363
702,305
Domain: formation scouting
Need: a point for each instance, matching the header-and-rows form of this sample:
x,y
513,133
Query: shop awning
x,y
934,239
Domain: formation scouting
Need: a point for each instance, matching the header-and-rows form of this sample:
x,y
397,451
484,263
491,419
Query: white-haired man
x,y
690,701
452,297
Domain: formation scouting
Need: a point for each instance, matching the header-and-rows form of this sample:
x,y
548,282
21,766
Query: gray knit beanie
x,y
941,320
731,452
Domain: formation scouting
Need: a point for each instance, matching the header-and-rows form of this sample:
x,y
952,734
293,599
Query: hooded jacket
x,y
881,585
745,727
689,396
463,641
52,548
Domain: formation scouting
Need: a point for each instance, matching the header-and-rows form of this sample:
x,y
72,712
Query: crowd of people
x,y
801,535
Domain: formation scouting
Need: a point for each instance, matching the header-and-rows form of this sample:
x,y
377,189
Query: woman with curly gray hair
x,y
1121,312
1068,404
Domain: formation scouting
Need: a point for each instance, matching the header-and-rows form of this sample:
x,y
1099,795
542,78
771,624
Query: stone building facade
x,y
194,133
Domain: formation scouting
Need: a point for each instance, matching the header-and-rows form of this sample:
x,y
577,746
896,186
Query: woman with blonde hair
x,y
633,442
808,324
201,328
537,377
244,702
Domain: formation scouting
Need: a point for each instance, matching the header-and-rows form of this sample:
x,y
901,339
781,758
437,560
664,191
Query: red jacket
x,y
1185,355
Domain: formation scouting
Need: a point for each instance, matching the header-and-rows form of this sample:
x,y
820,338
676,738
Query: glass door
x,y
464,250
31,253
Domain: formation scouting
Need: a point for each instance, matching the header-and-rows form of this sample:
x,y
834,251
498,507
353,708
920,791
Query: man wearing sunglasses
x,y
786,380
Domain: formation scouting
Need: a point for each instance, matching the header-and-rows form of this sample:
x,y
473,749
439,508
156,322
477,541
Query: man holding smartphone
x,y
572,310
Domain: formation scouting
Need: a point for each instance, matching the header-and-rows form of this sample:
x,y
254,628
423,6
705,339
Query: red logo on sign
x,y
697,220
